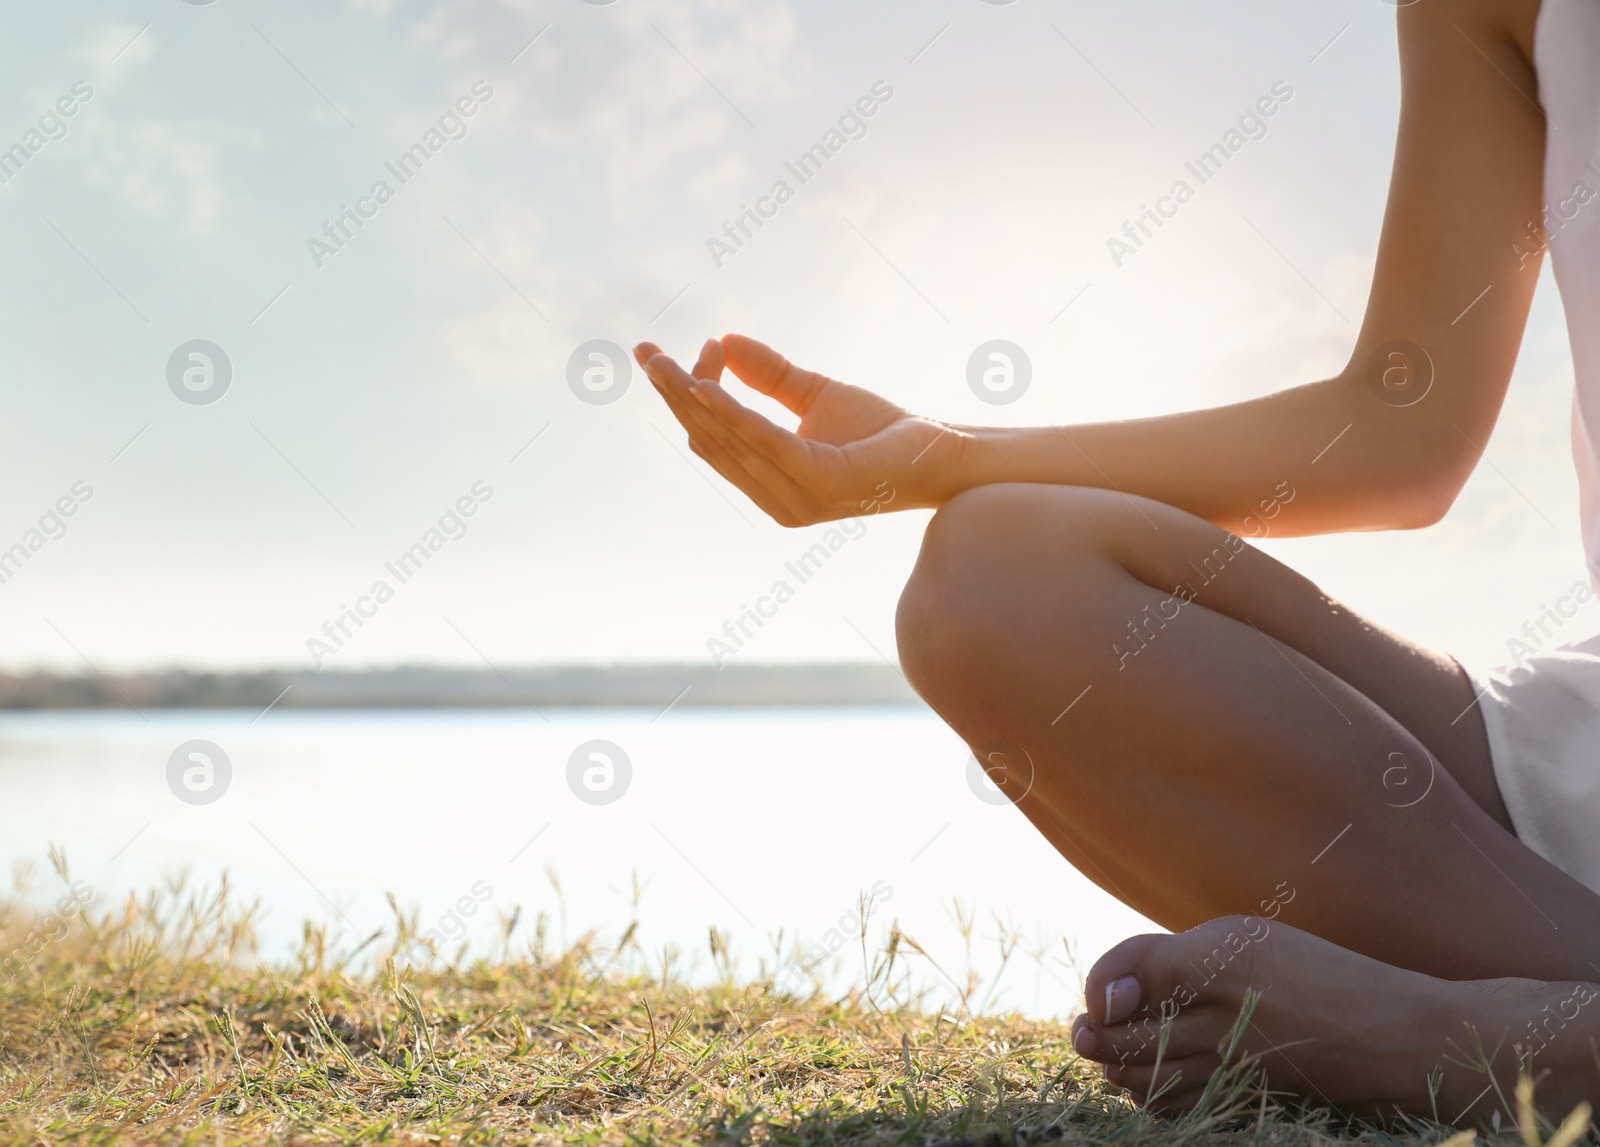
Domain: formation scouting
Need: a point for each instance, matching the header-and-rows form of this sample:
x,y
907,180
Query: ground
x,y
151,1022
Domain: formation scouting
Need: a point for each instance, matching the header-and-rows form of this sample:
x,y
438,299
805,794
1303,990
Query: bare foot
x,y
1332,1026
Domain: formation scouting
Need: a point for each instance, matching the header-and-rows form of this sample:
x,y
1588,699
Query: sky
x,y
382,381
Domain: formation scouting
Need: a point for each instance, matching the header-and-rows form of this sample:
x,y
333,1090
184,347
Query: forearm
x,y
1344,459
1455,274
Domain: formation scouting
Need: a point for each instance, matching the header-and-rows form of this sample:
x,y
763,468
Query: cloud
x,y
115,40
633,93
158,169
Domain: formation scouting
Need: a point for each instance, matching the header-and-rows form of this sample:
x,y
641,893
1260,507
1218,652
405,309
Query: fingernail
x,y
700,393
1122,999
1083,1040
707,345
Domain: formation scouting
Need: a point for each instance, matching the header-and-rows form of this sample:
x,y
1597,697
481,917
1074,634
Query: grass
x,y
152,1022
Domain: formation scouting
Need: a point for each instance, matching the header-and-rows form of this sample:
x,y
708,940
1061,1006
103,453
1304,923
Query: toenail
x,y
1083,1041
1122,999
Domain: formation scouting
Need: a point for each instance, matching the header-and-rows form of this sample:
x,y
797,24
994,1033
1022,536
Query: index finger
x,y
785,449
708,366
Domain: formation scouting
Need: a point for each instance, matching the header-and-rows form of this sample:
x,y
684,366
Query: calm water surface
x,y
754,821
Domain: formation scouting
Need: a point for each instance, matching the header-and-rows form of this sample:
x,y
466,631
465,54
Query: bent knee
x,y
987,554
1009,519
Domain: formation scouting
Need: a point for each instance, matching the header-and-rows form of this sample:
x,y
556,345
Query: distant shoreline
x,y
660,686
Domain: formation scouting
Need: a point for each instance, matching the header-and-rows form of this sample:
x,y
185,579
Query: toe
x,y
1139,1041
1115,988
1174,1076
1150,975
1175,1102
1190,984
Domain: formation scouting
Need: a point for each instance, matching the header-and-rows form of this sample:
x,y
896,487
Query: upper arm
x,y
1467,185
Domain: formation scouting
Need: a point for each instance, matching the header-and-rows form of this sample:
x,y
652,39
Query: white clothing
x,y
1543,715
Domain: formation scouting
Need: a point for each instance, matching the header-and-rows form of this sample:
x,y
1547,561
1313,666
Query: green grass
x,y
151,1022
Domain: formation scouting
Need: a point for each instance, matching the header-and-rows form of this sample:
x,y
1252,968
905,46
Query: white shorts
x,y
1543,721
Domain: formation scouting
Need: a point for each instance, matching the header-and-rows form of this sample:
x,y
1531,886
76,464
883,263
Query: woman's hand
x,y
854,453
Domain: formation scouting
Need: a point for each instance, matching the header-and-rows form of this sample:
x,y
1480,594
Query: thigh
x,y
1426,692
1187,560
1203,732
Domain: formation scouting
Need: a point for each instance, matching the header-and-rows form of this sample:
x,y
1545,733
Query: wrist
x,y
950,459
974,459
946,465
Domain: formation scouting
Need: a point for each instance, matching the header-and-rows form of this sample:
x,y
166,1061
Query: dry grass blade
x,y
152,1024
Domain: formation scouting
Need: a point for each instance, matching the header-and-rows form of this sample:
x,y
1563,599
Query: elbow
x,y
1429,493
1425,514
1407,470
1410,473
1401,514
